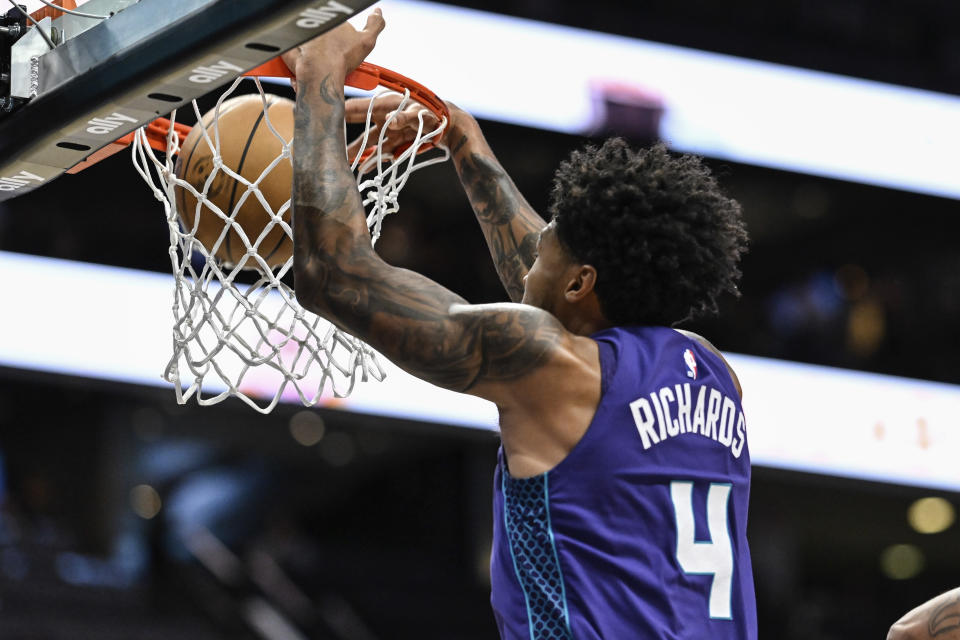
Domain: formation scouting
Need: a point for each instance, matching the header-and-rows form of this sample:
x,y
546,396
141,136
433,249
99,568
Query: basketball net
x,y
247,336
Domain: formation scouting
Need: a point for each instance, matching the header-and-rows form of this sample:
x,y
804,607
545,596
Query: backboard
x,y
106,78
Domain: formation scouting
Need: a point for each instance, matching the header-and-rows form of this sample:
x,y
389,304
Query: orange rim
x,y
367,77
51,12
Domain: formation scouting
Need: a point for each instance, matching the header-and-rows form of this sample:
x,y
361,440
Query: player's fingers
x,y
355,109
373,27
430,120
387,144
410,116
375,23
382,107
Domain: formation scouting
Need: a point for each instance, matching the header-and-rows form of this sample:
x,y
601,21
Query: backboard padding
x,y
140,64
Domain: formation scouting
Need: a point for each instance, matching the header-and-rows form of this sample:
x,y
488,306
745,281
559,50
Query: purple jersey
x,y
641,531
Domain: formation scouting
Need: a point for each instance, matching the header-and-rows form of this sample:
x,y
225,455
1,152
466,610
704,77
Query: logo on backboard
x,y
12,183
210,72
313,18
106,124
691,361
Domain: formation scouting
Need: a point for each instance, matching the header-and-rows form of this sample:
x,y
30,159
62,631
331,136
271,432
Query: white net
x,y
237,327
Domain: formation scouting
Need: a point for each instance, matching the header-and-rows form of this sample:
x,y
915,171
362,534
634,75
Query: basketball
x,y
248,147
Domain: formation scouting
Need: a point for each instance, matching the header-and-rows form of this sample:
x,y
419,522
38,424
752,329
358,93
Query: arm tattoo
x,y
329,95
509,224
423,327
426,329
319,180
945,618
459,145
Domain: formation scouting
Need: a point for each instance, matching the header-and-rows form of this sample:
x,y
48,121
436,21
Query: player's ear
x,y
582,282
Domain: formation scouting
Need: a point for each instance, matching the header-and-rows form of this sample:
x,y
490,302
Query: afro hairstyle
x,y
665,240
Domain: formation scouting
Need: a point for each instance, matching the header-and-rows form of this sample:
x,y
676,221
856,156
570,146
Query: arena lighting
x,y
931,515
585,82
338,449
902,561
759,113
145,501
114,324
307,428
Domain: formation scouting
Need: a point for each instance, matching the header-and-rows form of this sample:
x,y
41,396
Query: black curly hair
x,y
664,239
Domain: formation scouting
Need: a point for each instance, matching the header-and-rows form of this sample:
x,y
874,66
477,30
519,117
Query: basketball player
x,y
936,619
623,479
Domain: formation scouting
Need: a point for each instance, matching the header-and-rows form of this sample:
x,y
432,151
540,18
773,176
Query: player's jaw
x,y
537,287
538,282
544,284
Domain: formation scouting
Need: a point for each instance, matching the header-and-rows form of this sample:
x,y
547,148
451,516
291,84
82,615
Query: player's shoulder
x,y
526,351
699,338
709,346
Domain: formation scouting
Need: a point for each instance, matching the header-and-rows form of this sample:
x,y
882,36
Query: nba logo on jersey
x,y
691,363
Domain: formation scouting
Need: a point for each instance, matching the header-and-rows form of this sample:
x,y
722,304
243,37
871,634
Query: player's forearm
x,y
338,275
938,618
421,326
509,223
329,225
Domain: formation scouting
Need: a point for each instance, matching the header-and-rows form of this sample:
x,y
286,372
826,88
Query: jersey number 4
x,y
706,558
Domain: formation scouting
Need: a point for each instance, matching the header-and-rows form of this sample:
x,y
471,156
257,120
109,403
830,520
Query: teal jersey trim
x,y
556,557
534,554
513,555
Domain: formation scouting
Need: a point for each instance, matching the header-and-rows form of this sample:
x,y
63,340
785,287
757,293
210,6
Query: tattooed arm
x,y
936,619
417,323
509,223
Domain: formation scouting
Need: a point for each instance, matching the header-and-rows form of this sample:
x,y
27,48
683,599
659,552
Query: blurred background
x,y
124,515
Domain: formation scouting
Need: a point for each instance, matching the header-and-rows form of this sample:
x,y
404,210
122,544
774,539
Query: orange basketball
x,y
248,147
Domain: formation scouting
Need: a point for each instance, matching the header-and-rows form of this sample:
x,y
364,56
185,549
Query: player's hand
x,y
341,49
402,125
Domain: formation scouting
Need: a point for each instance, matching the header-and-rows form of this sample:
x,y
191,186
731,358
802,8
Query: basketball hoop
x,y
243,336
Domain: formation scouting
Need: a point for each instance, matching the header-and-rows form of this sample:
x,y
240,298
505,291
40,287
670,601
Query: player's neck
x,y
583,325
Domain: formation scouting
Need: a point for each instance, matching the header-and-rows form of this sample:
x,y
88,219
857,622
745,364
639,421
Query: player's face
x,y
543,284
